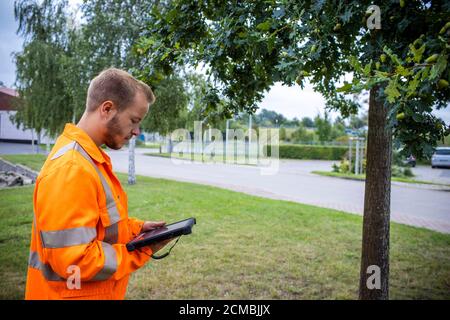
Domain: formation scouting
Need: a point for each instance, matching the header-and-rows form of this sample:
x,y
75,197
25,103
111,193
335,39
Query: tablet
x,y
167,232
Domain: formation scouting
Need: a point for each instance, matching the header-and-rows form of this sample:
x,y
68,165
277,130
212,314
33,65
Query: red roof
x,y
7,96
10,92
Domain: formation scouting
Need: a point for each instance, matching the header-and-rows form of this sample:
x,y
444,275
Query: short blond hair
x,y
118,86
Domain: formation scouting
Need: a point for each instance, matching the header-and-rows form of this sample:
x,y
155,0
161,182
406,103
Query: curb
x,y
18,168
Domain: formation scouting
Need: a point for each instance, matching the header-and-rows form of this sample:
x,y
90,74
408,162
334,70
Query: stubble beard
x,y
113,130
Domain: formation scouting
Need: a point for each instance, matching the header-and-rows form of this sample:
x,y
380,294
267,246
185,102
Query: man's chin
x,y
114,146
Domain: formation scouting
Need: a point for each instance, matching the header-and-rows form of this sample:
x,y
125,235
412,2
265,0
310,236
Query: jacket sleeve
x,y
68,212
135,226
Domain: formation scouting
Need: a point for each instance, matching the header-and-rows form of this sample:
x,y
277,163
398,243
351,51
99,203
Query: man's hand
x,y
150,225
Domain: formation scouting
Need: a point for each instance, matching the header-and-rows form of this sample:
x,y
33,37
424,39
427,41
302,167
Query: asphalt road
x,y
18,148
411,204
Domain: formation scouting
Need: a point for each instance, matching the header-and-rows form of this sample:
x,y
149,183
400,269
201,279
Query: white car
x,y
441,157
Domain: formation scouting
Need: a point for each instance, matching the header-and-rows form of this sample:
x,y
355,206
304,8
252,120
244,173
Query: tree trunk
x,y
374,277
131,169
32,140
38,144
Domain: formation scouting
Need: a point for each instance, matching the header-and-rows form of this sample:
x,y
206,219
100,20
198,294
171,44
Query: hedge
x,y
310,152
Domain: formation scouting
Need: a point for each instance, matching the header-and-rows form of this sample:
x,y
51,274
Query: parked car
x,y
441,157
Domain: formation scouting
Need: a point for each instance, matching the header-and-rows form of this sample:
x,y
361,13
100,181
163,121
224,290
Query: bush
x,y
335,168
342,139
407,172
396,171
282,134
309,152
400,172
302,135
139,143
344,167
397,159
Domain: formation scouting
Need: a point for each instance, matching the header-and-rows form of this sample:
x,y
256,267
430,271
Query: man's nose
x,y
135,131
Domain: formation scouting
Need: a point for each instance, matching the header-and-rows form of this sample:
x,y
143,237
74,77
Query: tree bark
x,y
377,198
131,168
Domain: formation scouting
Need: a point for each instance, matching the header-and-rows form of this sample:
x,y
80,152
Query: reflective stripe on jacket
x,y
80,224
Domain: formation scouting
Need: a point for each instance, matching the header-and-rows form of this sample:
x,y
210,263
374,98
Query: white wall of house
x,y
8,130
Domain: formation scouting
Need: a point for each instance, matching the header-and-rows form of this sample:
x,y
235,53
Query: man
x,y
81,222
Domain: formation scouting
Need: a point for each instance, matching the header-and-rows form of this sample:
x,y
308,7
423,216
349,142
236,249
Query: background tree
x,y
323,127
40,75
248,46
302,135
62,54
307,122
271,117
295,122
106,35
338,128
357,122
169,111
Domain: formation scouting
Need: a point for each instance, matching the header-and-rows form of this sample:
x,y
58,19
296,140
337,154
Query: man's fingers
x,y
157,224
149,225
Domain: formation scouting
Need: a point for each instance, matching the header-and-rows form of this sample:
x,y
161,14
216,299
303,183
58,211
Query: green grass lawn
x,y
245,247
149,146
33,161
207,159
363,177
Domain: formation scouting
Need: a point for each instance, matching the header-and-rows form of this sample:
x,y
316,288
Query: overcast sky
x,y
9,42
290,101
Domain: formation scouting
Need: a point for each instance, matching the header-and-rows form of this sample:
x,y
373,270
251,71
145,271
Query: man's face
x,y
125,124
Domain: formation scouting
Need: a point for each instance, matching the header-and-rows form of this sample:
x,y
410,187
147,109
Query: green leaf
x,y
381,75
171,15
392,90
413,84
354,62
438,67
417,53
393,56
165,55
403,71
271,44
345,88
264,26
242,34
367,68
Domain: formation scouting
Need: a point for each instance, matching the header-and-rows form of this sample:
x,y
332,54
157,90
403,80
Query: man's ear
x,y
107,109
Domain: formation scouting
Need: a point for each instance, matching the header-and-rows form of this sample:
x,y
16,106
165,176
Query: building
x,y
8,130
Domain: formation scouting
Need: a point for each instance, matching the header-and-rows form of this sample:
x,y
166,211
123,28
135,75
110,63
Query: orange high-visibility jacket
x,y
80,225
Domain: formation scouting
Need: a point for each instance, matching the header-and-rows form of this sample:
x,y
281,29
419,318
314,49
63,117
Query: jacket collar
x,y
72,132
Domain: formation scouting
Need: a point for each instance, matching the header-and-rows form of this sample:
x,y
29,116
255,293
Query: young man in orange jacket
x,y
81,222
